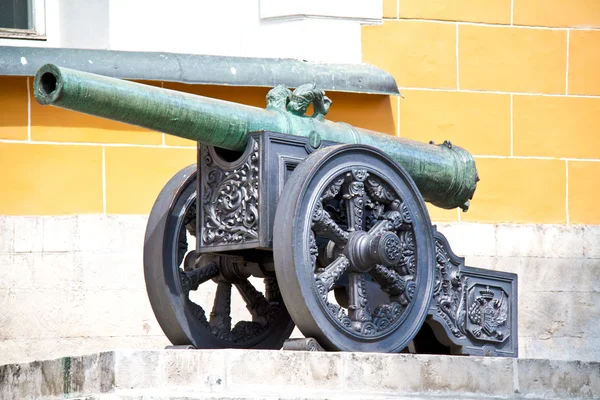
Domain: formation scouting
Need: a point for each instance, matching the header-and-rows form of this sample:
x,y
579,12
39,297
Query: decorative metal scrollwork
x,y
450,291
474,307
366,205
488,313
231,201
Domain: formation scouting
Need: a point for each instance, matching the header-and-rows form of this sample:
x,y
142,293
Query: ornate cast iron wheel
x,y
171,277
354,250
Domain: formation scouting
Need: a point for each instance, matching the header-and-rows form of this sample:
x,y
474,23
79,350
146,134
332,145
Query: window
x,y
22,19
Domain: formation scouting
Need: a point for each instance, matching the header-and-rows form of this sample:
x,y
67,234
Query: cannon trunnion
x,y
333,238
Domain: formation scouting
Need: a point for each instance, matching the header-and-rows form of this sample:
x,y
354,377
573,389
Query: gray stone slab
x,y
276,370
94,233
562,241
16,270
28,234
112,270
470,239
505,264
558,274
549,315
71,312
591,241
21,381
21,271
244,374
59,233
57,270
6,266
555,241
139,369
394,374
126,232
108,312
560,348
36,313
201,370
559,379
31,349
6,234
518,241
487,262
92,296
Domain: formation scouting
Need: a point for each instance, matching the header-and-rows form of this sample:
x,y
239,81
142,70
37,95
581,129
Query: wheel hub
x,y
365,250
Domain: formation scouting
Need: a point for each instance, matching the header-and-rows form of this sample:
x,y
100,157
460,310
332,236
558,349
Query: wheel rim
x,y
350,213
171,279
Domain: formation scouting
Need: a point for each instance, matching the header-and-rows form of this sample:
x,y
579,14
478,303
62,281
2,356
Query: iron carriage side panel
x,y
238,197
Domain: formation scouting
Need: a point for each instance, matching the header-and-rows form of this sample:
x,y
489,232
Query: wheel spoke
x,y
325,226
198,312
358,308
189,220
391,221
333,272
379,191
220,316
272,290
256,303
182,246
190,280
354,196
389,281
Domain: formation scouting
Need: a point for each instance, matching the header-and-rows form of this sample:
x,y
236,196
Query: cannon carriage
x,y
315,224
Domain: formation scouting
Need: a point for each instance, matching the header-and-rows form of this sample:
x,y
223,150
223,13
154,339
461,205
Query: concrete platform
x,y
254,374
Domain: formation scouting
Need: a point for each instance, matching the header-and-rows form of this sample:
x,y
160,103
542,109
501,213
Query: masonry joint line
x,y
512,11
567,191
500,25
457,62
104,180
511,126
567,66
28,110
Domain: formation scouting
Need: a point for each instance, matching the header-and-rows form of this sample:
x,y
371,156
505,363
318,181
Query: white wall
x,y
326,30
73,285
83,24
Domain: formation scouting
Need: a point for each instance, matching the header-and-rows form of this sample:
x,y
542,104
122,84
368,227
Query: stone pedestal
x,y
254,374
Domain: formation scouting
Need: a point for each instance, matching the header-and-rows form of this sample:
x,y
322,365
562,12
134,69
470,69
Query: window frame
x,y
38,19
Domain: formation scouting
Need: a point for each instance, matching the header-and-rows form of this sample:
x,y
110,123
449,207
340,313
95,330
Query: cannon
x,y
314,223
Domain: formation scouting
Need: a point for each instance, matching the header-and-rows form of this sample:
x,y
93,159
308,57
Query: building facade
x,y
515,82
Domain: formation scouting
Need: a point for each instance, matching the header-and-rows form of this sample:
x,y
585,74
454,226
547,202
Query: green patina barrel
x,y
445,174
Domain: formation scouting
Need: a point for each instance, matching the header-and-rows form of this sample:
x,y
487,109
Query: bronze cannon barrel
x,y
445,174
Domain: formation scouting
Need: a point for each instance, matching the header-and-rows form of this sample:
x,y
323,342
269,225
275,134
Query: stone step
x,y
261,374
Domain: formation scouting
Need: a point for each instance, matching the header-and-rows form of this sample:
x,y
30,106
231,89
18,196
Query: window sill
x,y
7,33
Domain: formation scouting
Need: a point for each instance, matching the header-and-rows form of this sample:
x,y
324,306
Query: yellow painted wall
x,y
517,83
55,161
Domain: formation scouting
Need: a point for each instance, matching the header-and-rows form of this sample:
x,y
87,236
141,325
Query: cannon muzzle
x,y
445,174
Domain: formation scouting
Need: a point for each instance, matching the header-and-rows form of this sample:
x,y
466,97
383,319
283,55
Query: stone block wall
x,y
74,284
513,81
559,281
